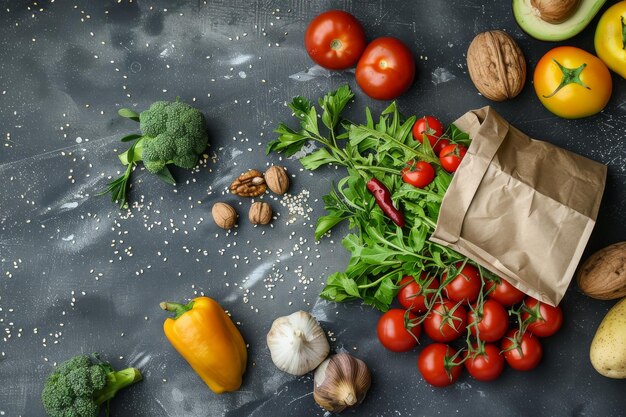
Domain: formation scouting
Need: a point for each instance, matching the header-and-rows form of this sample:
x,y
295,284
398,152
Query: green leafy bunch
x,y
381,253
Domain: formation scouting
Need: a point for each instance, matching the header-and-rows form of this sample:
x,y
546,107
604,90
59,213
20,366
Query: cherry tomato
x,y
548,319
572,83
411,296
393,333
451,157
493,323
429,126
419,174
504,293
386,69
441,143
465,286
522,356
335,40
486,366
436,365
445,321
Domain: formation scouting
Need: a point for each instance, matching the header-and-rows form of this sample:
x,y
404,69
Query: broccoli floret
x,y
172,133
79,386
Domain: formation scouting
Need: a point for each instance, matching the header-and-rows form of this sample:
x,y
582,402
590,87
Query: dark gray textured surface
x,y
77,275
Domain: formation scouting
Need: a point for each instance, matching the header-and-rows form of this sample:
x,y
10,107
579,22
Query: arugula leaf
x,y
318,158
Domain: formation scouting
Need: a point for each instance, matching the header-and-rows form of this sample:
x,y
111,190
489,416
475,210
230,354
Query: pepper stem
x,y
570,75
623,34
177,308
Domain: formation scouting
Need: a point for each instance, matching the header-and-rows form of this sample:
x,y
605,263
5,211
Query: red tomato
x,y
548,319
504,293
429,126
451,156
386,69
335,40
393,333
419,174
411,296
522,356
436,365
441,143
465,286
493,323
486,366
445,321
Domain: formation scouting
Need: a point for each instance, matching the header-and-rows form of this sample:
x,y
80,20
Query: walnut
x,y
277,179
260,213
555,11
496,65
224,215
249,184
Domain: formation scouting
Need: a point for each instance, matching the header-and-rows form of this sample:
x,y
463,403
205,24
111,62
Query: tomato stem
x,y
570,75
335,44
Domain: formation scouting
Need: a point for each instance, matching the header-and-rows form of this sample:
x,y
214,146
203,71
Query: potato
x,y
608,348
603,275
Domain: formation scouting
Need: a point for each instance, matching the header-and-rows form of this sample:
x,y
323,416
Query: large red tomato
x,y
547,319
386,69
436,365
393,333
492,324
335,40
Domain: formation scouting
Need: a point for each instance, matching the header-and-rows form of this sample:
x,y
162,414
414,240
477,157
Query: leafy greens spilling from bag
x,y
374,154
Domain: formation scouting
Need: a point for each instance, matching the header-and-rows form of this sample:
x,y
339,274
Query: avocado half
x,y
528,19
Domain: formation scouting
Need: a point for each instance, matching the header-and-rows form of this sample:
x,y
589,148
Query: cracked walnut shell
x,y
249,184
496,65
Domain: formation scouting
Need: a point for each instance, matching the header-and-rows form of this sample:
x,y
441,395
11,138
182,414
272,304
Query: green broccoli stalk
x,y
172,133
79,386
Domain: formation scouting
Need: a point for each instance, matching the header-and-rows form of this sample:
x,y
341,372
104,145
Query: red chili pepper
x,y
383,199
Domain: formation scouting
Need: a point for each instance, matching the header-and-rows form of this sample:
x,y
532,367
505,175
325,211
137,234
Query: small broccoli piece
x,y
79,386
172,133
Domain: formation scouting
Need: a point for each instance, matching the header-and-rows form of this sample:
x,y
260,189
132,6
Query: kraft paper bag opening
x,y
522,208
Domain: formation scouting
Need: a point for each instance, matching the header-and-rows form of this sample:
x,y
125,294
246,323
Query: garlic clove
x,y
341,382
297,343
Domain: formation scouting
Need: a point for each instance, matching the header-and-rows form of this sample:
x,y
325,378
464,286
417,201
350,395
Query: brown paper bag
x,y
522,208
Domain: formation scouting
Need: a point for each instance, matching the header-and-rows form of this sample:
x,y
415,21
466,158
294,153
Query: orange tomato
x,y
572,83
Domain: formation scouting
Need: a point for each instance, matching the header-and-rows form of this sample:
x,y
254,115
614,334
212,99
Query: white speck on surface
x,y
242,74
442,75
240,59
71,205
68,238
311,73
79,140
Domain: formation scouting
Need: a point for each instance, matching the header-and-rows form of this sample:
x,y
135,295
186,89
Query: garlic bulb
x,y
341,382
297,343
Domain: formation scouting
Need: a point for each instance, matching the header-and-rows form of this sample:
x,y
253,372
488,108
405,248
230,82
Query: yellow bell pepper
x,y
207,338
611,38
